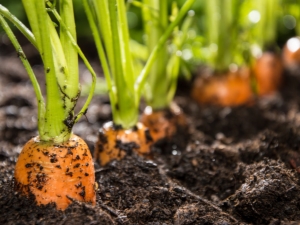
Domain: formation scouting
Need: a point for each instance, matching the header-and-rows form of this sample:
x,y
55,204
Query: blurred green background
x,y
286,17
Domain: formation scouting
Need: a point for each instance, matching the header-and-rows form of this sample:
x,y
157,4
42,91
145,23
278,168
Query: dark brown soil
x,y
240,165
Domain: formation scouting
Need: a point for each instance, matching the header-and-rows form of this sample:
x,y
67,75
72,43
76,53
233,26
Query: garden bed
x,y
241,165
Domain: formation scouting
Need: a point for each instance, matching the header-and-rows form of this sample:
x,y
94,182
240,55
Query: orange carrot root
x,y
268,73
115,142
225,89
164,124
56,173
291,53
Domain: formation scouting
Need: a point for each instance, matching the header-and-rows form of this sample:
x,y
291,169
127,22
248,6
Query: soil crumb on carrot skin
x,y
53,184
114,142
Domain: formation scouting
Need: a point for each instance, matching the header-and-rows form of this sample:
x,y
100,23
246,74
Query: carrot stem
x,y
85,61
101,53
43,29
70,52
155,19
36,87
117,64
125,89
221,26
145,72
268,10
59,54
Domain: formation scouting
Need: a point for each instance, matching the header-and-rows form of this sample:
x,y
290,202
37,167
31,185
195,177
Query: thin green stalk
x,y
144,73
117,63
101,53
174,63
36,87
101,11
56,118
54,129
222,27
268,10
126,109
124,38
124,88
67,64
85,61
20,26
67,17
155,17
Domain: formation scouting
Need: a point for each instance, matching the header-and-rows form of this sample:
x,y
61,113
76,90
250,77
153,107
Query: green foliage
x,y
58,50
161,85
108,22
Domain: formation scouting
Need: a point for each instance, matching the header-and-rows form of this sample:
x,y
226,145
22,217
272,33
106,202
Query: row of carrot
x,y
244,59
57,166
241,86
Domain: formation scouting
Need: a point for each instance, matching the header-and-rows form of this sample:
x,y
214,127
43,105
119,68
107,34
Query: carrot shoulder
x,y
56,173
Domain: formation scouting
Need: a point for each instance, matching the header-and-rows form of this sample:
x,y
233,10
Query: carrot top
x,y
163,75
235,30
59,52
108,22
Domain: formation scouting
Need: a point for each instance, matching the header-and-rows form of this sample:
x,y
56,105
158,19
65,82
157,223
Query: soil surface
x,y
238,166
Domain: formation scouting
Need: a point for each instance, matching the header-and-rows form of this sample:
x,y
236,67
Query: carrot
x,y
56,173
108,22
164,124
56,166
163,117
114,142
291,53
268,73
224,89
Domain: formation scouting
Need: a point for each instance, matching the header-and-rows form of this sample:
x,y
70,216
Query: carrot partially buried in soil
x,y
114,142
164,124
268,71
162,116
56,166
56,172
224,89
124,134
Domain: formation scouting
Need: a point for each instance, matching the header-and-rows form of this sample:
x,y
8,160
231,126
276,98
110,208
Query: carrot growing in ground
x,y
239,33
162,116
228,81
109,26
55,166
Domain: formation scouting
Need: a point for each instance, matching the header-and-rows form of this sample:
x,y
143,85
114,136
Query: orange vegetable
x,y
114,142
291,53
56,173
225,89
165,123
268,73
